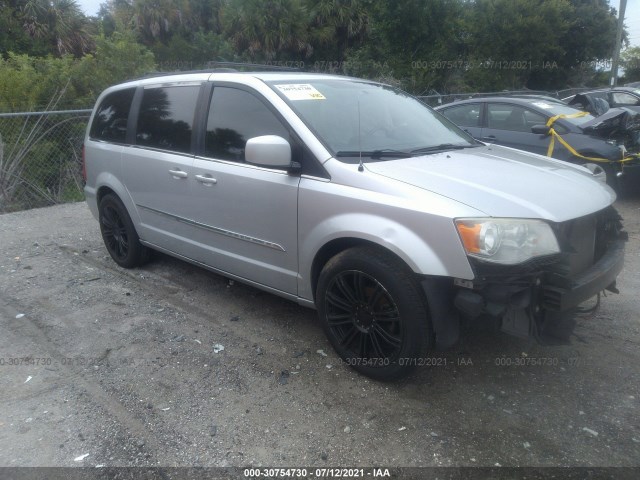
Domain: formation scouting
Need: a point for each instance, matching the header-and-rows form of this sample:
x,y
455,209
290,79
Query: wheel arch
x,y
438,291
104,190
336,246
109,183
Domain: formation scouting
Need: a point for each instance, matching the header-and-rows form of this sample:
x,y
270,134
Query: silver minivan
x,y
353,198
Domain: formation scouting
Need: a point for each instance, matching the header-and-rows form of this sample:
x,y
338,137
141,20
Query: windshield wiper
x,y
442,147
375,154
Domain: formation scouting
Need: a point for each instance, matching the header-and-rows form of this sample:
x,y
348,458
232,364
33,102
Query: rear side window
x,y
110,120
235,116
166,117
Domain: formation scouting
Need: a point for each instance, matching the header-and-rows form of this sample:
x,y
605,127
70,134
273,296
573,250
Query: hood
x,y
614,121
503,182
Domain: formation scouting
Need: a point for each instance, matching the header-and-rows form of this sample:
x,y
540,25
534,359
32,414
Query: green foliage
x,y
41,27
195,53
630,61
268,29
509,39
442,45
336,26
116,59
28,82
13,35
487,45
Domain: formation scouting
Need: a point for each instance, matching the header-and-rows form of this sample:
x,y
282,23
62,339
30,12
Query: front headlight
x,y
506,240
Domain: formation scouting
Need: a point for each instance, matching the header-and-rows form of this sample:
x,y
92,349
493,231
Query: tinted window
x,y
503,116
166,118
467,115
235,116
110,120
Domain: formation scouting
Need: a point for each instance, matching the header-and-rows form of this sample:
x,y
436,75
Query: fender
x,y
407,244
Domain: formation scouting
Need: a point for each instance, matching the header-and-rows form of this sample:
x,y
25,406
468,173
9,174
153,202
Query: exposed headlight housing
x,y
507,241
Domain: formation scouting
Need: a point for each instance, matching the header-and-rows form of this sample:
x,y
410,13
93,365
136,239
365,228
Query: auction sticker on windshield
x,y
300,91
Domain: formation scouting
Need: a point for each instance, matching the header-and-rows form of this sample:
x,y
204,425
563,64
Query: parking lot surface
x,y
170,365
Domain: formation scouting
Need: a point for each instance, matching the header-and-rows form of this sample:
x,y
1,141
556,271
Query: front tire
x,y
374,312
119,234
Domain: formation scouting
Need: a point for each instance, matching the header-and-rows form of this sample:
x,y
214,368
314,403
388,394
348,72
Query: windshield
x,y
351,116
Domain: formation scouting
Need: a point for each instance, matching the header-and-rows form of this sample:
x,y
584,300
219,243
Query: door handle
x,y
490,138
178,173
206,180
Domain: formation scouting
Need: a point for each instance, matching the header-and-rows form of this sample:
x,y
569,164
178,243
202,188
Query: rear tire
x,y
374,312
119,234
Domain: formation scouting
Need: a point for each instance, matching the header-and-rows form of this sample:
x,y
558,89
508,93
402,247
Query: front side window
x,y
235,116
110,121
514,118
166,117
467,115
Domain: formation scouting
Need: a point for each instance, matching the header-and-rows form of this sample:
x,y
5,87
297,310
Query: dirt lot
x,y
122,370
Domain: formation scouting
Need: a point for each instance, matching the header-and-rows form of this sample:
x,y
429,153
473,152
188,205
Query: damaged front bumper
x,y
530,299
571,292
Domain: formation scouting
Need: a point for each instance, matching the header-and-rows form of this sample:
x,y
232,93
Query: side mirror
x,y
540,129
268,151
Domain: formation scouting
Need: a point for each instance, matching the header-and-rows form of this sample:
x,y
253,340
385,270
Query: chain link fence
x,y
41,158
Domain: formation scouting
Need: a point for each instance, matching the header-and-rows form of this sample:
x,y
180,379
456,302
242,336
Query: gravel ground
x,y
124,369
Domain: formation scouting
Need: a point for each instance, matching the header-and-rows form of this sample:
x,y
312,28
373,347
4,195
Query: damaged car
x,y
628,97
353,198
609,143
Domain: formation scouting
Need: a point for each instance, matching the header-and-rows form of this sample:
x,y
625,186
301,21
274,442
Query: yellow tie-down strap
x,y
555,135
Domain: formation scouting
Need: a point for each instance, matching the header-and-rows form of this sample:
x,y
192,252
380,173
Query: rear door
x,y
244,216
510,125
157,169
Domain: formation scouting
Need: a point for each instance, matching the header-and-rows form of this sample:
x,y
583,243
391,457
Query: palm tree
x,y
61,23
159,19
268,28
338,23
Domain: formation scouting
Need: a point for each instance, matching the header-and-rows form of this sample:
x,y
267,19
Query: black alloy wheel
x,y
374,312
363,317
119,234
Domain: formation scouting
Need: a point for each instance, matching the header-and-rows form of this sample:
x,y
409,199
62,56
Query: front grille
x,y
583,241
577,239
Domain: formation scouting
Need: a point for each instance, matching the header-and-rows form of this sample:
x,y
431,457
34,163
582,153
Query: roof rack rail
x,y
222,67
254,66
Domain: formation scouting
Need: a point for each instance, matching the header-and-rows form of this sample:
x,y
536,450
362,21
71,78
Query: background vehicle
x,y
521,123
350,197
628,97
